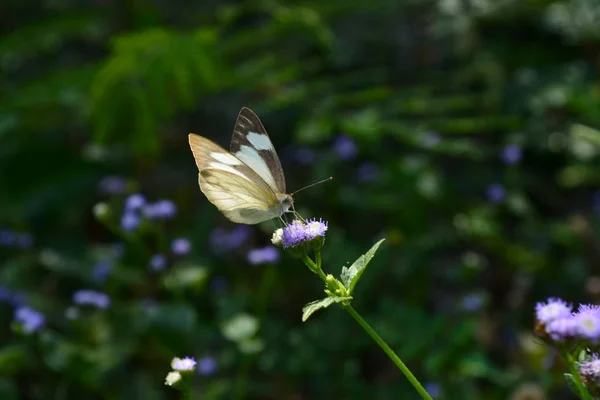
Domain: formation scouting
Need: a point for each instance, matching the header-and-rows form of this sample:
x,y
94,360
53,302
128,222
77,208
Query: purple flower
x,y
430,139
223,241
162,209
130,221
591,369
264,255
496,193
181,246
552,309
511,154
30,319
157,262
588,322
91,298
207,365
135,202
293,234
112,185
368,172
10,238
183,364
433,389
345,147
562,328
315,228
101,271
473,302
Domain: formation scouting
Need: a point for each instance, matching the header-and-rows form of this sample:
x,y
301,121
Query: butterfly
x,y
245,183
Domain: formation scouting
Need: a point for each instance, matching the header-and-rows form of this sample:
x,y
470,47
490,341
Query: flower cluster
x,y
263,255
92,298
223,241
181,366
556,320
299,232
29,319
590,371
9,238
137,208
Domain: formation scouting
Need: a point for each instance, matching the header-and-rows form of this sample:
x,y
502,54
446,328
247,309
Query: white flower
x,y
277,235
172,378
183,364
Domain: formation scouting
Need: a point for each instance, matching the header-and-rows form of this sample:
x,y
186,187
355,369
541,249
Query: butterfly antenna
x,y
312,184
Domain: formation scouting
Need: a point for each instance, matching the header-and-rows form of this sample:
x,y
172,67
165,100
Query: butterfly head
x,y
286,202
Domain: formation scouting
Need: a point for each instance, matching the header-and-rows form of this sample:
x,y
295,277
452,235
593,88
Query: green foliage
x,y
351,275
316,305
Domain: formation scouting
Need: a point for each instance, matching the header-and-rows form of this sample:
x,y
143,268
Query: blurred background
x,y
463,131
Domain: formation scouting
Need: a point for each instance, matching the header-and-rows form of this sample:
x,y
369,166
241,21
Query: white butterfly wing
x,y
251,144
234,188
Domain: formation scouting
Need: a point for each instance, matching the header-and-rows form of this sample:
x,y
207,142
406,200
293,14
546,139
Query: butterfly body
x,y
247,183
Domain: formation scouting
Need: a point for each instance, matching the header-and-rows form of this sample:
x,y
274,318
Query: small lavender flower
x,y
293,234
112,185
511,154
590,370
496,193
101,271
263,255
172,378
207,365
30,319
157,262
130,221
183,364
345,147
315,228
433,389
91,298
162,209
368,172
588,322
181,246
135,202
223,241
552,309
562,328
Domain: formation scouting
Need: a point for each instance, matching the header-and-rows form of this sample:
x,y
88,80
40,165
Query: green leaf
x,y
572,384
313,306
351,275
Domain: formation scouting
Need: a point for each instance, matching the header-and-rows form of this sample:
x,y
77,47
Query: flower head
x,y
591,369
588,322
511,154
181,246
263,255
91,298
551,310
315,228
207,365
562,328
224,241
30,319
157,262
183,364
277,236
101,270
130,221
345,147
293,234
496,193
172,378
162,209
135,202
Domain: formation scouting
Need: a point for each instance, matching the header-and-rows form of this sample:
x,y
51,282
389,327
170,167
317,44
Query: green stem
x,y
314,267
576,377
390,353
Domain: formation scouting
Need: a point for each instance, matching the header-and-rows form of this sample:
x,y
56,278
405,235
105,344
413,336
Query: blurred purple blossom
x,y
135,202
368,172
207,365
223,241
130,221
101,271
511,154
590,370
473,302
112,185
181,246
588,322
157,262
430,139
30,319
496,193
562,328
433,389
345,147
162,209
91,298
553,309
10,238
263,255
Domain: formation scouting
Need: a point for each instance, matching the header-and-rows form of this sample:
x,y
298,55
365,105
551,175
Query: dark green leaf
x,y
351,275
